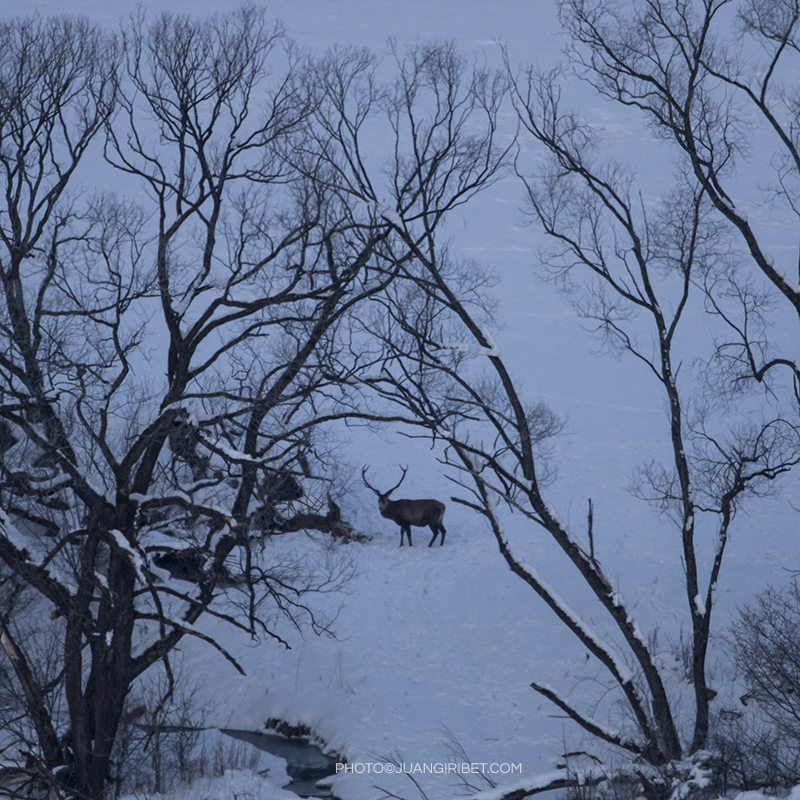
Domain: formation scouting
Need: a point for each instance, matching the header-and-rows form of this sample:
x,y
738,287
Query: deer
x,y
406,513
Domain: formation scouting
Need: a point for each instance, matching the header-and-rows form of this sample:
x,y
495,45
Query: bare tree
x,y
649,264
641,275
757,742
59,83
167,363
714,79
765,645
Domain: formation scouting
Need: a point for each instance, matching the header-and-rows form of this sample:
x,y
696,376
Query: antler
x,y
405,469
366,482
382,494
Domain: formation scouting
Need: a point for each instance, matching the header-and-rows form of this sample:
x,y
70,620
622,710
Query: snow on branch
x,y
135,558
599,648
390,215
183,500
236,456
597,729
15,550
586,634
473,348
535,784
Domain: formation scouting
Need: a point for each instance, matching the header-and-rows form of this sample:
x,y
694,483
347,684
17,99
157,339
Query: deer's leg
x,y
437,529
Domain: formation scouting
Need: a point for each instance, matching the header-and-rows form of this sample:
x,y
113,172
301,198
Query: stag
x,y
406,513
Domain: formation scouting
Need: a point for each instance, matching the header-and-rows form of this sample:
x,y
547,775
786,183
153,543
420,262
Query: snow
x,y
534,783
390,215
233,785
732,208
622,670
794,287
372,377
412,639
18,540
182,306
136,560
231,453
475,349
699,605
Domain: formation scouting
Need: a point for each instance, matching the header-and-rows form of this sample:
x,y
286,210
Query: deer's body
x,y
411,513
414,513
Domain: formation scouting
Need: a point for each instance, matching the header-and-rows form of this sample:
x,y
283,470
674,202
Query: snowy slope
x,y
432,646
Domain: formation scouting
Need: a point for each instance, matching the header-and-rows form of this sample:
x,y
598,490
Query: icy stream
x,y
305,762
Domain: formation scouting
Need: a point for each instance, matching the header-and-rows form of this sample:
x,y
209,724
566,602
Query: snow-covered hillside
x,y
434,647
434,650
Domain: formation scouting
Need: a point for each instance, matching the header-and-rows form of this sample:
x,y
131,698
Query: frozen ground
x,y
433,647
